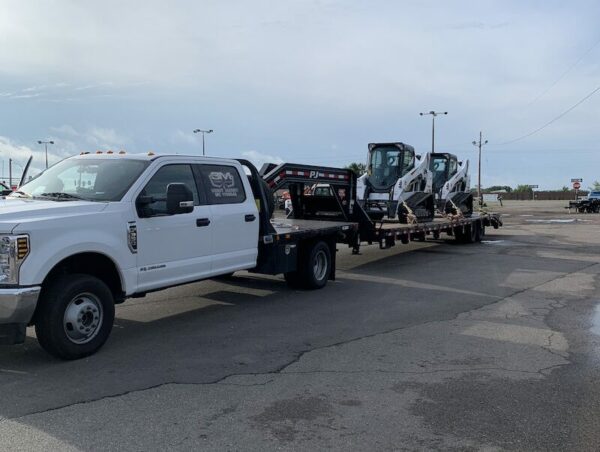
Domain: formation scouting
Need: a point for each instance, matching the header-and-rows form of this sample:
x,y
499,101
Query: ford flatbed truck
x,y
97,229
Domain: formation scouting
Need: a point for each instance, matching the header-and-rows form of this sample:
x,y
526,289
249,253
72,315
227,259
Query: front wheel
x,y
75,316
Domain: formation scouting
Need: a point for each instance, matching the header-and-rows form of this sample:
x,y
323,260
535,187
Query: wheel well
x,y
94,264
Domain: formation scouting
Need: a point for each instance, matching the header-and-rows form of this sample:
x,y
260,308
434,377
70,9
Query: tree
x,y
595,186
358,168
565,188
523,189
498,188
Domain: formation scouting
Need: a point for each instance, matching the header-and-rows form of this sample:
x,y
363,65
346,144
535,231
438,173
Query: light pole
x,y
46,143
433,115
203,132
11,162
479,144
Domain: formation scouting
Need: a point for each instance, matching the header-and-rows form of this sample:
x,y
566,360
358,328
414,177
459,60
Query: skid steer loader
x,y
451,184
398,184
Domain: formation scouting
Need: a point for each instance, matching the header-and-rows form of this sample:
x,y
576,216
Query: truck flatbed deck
x,y
287,227
292,230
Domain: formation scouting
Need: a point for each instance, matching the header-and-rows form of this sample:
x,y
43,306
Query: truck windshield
x,y
85,178
387,164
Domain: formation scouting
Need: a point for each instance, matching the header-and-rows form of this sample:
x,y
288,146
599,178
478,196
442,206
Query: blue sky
x,y
306,81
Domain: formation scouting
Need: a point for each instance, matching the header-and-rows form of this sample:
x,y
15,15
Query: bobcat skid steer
x,y
398,184
451,184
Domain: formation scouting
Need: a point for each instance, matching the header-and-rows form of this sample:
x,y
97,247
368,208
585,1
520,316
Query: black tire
x,y
79,295
418,237
314,267
292,279
459,234
478,227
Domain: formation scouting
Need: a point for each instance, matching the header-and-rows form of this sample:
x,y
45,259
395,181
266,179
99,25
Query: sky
x,y
306,81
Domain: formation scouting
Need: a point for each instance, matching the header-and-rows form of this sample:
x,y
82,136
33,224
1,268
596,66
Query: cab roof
x,y
144,156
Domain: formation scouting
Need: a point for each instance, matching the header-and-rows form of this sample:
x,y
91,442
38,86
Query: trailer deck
x,y
287,229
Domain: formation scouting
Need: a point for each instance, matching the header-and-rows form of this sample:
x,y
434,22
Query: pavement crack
x,y
281,370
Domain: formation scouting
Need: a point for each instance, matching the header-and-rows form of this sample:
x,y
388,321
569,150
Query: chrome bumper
x,y
17,305
16,310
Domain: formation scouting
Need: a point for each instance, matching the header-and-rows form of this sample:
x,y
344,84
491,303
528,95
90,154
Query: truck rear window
x,y
222,184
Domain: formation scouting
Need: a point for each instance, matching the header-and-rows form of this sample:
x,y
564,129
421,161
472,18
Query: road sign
x,y
534,186
576,185
577,180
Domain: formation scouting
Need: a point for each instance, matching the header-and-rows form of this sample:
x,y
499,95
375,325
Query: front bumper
x,y
17,306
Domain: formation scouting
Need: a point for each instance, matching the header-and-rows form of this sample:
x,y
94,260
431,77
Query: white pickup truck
x,y
96,229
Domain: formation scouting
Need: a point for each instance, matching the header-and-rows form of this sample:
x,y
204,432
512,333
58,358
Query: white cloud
x,y
184,137
105,138
101,138
259,159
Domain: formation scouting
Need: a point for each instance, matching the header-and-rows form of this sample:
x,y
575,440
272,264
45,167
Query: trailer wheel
x,y
314,267
75,316
472,233
477,227
460,234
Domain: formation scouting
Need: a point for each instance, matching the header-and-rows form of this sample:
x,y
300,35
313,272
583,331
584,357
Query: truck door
x,y
172,249
235,217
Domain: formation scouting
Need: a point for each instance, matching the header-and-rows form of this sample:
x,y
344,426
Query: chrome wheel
x,y
83,318
320,265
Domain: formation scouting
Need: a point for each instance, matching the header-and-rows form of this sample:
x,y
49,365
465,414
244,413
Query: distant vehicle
x,y
5,189
588,204
593,195
319,190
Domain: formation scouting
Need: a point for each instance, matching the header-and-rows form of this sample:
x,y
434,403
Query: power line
x,y
561,76
586,97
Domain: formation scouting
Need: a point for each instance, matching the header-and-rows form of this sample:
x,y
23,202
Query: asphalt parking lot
x,y
491,346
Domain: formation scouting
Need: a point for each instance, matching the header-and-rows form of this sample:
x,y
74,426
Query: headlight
x,y
13,251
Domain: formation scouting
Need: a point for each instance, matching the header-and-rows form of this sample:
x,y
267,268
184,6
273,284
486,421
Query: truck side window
x,y
222,184
157,187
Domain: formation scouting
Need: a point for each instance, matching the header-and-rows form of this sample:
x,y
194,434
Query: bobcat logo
x,y
221,180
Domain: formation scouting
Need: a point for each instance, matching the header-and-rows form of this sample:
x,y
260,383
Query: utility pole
x,y
203,132
46,143
433,115
10,174
479,144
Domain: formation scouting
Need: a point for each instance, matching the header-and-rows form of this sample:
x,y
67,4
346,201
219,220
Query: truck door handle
x,y
200,222
249,218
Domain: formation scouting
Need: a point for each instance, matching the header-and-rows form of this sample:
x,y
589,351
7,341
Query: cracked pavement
x,y
426,346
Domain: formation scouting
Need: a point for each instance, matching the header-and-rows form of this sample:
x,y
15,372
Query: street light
x,y
203,132
433,115
479,144
46,143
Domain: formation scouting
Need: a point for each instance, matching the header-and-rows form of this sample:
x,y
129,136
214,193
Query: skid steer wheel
x,y
314,267
75,316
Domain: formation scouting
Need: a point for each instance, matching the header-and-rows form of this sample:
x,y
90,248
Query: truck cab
x,y
95,229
